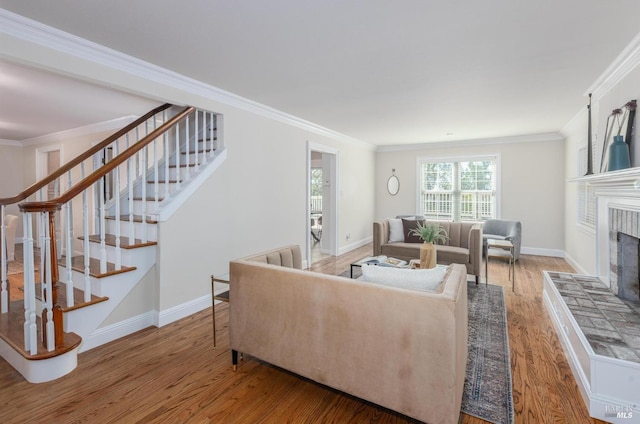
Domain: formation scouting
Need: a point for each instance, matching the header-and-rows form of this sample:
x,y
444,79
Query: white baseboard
x,y
182,311
152,318
353,246
556,253
118,330
579,269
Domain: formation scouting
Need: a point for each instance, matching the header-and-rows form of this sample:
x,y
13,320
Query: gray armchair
x,y
502,230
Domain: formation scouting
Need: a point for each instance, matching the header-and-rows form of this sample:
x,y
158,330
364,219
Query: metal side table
x,y
224,297
503,249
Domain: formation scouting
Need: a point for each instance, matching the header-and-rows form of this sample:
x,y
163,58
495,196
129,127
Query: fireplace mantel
x,y
628,179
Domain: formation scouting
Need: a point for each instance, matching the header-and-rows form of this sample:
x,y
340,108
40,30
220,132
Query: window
x,y
586,195
458,190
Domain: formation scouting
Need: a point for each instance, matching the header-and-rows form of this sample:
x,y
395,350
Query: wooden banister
x,y
79,159
54,205
82,185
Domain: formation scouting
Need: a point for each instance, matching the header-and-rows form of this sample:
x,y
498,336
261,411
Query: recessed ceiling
x,y
385,72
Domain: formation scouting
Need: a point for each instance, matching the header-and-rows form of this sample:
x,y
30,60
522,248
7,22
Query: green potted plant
x,y
430,233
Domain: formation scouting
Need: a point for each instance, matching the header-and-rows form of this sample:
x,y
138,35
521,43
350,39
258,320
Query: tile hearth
x,y
610,324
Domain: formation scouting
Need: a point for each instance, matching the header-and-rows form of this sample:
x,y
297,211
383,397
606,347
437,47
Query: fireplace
x,y
624,244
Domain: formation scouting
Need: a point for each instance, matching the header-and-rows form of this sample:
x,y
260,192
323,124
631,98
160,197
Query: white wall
x,y
257,198
531,190
580,245
11,175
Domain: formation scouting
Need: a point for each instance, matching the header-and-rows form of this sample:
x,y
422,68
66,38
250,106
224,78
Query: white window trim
x,y
582,208
470,158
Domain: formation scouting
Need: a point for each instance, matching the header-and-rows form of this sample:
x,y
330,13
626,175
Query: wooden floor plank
x,y
173,374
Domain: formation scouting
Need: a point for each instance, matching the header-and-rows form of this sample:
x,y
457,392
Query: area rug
x,y
487,387
487,390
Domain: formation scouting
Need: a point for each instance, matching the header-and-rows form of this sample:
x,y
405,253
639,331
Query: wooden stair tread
x,y
183,165
77,264
149,199
163,182
78,297
110,240
136,218
11,331
208,149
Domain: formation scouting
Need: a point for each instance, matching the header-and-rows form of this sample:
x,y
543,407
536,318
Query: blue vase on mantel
x,y
619,154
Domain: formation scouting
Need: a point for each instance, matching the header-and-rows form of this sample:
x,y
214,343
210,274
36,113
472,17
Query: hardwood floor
x,y
173,375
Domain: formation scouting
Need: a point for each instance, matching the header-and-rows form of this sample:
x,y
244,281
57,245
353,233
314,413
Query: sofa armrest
x,y
475,248
380,235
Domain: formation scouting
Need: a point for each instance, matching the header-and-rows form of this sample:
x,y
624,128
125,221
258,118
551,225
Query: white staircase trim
x,y
41,370
178,198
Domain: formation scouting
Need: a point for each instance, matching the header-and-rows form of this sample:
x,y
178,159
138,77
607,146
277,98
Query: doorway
x,y
322,202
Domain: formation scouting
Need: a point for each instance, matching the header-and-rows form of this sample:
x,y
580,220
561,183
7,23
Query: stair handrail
x,y
80,158
52,320
55,204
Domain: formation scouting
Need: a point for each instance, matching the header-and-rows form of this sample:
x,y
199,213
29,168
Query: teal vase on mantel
x,y
619,154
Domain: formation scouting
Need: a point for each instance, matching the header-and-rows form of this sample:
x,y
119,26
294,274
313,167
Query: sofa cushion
x,y
401,250
408,225
405,278
452,255
396,230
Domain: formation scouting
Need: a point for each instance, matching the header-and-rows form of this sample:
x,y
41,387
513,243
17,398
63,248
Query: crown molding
x,y
111,125
12,143
626,61
528,138
35,32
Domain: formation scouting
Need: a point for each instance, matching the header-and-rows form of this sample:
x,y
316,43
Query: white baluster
x,y
166,156
203,134
70,248
132,234
144,197
188,148
69,253
86,253
102,218
116,184
177,155
59,238
30,329
196,142
4,293
156,186
211,140
48,286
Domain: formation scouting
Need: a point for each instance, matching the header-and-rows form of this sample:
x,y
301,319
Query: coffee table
x,y
367,259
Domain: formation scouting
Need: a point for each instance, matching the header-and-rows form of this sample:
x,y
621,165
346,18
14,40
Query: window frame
x,y
586,219
470,158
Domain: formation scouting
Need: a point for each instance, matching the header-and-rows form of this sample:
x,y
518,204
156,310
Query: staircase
x,y
89,245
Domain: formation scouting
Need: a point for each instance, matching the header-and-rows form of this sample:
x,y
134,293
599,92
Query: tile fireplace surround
x,y
600,333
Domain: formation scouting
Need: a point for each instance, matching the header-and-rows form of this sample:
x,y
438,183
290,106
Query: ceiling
x,y
401,72
36,103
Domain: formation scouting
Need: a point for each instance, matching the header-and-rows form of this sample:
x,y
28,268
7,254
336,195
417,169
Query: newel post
x,y
57,309
49,273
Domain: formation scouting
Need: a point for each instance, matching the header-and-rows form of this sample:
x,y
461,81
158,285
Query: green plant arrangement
x,y
430,232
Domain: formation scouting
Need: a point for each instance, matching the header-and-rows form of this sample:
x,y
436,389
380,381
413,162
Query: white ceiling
x,y
36,103
386,72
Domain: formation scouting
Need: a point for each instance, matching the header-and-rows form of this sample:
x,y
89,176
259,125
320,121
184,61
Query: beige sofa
x,y
463,246
402,349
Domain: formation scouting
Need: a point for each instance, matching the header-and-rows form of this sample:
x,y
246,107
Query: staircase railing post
x,y
52,311
52,267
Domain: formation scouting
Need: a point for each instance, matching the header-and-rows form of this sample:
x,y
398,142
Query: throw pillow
x,y
404,278
396,231
407,226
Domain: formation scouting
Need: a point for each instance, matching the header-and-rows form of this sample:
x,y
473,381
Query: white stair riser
x,y
152,229
95,251
145,208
